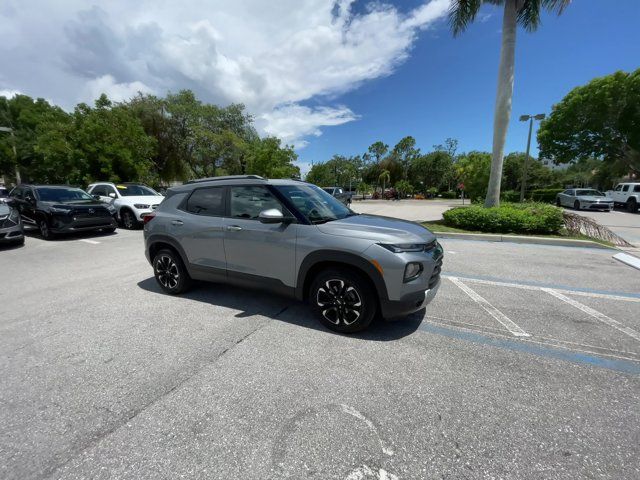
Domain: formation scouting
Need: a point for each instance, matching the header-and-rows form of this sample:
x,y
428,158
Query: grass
x,y
438,226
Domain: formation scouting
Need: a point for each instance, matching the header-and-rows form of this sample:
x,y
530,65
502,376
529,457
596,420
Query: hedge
x,y
546,195
449,195
507,218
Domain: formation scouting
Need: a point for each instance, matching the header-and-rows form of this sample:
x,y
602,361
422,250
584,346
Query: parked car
x,y
588,198
11,230
627,195
293,238
132,201
55,209
339,193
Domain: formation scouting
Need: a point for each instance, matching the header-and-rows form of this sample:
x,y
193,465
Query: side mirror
x,y
112,195
272,215
97,197
29,199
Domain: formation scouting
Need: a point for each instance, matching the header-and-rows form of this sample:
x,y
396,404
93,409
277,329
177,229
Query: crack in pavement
x,y
132,414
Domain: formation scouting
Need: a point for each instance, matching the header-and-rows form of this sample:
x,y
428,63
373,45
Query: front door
x,y
260,250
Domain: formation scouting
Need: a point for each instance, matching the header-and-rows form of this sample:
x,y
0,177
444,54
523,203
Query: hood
x,y
4,209
146,199
378,229
592,198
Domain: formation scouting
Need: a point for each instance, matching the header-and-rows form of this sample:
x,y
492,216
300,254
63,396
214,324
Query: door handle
x,y
233,228
177,223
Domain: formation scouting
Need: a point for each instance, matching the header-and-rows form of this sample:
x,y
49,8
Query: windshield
x,y
314,203
4,192
589,193
328,190
135,190
63,195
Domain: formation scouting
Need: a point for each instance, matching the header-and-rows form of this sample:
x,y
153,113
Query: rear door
x,y
200,229
254,248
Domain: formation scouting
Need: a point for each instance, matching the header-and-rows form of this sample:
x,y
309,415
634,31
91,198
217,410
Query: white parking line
x,y
524,286
490,309
86,240
595,314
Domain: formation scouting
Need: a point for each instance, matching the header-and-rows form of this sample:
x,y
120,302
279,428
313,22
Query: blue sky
x,y
446,88
328,76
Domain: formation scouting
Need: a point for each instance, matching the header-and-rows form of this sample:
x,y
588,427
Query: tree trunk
x,y
504,95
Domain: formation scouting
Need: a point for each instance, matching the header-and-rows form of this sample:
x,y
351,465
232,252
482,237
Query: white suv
x,y
626,194
132,201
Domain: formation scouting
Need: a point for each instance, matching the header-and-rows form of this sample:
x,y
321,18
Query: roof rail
x,y
226,177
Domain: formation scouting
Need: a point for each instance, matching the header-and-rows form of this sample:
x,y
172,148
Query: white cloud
x,y
9,93
272,56
115,91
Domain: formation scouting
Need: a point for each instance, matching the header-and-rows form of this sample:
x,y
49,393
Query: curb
x,y
558,242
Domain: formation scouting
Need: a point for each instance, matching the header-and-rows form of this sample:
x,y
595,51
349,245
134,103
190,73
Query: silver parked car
x,y
588,198
11,229
295,239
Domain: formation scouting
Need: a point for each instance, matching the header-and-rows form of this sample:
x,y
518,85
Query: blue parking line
x,y
542,285
548,352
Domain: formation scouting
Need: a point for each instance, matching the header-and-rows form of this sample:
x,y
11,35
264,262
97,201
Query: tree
x,y
363,188
268,159
404,188
473,170
405,152
526,13
433,170
600,119
378,150
384,177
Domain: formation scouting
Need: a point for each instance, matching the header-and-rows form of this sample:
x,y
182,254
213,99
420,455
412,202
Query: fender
x,y
160,238
320,256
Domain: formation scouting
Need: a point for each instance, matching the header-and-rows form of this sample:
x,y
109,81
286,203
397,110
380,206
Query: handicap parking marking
x,y
506,322
595,314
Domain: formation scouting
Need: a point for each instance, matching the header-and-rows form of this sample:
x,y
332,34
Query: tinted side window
x,y
567,192
618,188
207,201
625,188
636,188
108,189
16,193
99,190
248,202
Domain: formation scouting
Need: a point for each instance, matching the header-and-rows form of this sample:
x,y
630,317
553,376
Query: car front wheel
x,y
558,203
576,205
343,300
128,220
170,272
45,232
632,205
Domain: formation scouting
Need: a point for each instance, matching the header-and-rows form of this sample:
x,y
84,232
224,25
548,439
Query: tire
x,y
576,204
170,272
632,205
109,230
349,297
558,203
128,220
45,231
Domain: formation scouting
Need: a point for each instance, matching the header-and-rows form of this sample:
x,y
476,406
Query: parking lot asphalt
x,y
526,365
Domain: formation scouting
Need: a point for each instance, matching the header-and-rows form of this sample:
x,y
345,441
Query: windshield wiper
x,y
322,220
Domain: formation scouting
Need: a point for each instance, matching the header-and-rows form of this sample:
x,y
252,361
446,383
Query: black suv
x,y
61,209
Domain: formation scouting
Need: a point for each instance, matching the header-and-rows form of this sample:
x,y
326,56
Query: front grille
x,y
84,213
435,275
7,223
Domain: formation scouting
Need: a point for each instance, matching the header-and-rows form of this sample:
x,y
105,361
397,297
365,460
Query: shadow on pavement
x,y
252,302
30,231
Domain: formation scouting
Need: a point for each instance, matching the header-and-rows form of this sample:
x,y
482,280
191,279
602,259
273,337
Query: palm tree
x,y
525,13
384,177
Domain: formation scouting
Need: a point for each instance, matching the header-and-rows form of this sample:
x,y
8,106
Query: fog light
x,y
412,271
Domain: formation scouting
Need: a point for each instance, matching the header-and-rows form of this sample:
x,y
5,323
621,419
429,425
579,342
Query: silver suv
x,y
292,238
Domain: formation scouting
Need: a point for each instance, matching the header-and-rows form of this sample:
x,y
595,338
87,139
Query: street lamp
x,y
15,152
524,118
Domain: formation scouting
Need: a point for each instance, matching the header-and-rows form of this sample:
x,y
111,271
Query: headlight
x,y
14,215
62,211
408,247
111,209
141,206
412,271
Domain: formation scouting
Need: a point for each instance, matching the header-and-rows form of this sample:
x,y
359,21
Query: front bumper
x,y
598,206
67,225
11,235
410,303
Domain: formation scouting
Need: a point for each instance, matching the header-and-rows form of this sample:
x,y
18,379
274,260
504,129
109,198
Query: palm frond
x,y
462,13
529,13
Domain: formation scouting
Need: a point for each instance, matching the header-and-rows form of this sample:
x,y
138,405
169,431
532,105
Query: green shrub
x,y
510,196
507,218
449,195
546,195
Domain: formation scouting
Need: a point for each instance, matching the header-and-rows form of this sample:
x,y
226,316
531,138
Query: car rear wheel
x,y
109,230
632,205
343,300
128,220
576,204
45,231
170,272
558,203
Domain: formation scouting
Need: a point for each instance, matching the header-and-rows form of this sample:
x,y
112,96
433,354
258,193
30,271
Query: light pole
x,y
524,118
15,152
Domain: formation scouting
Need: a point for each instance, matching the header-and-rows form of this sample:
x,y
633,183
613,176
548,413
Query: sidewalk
x,y
620,222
